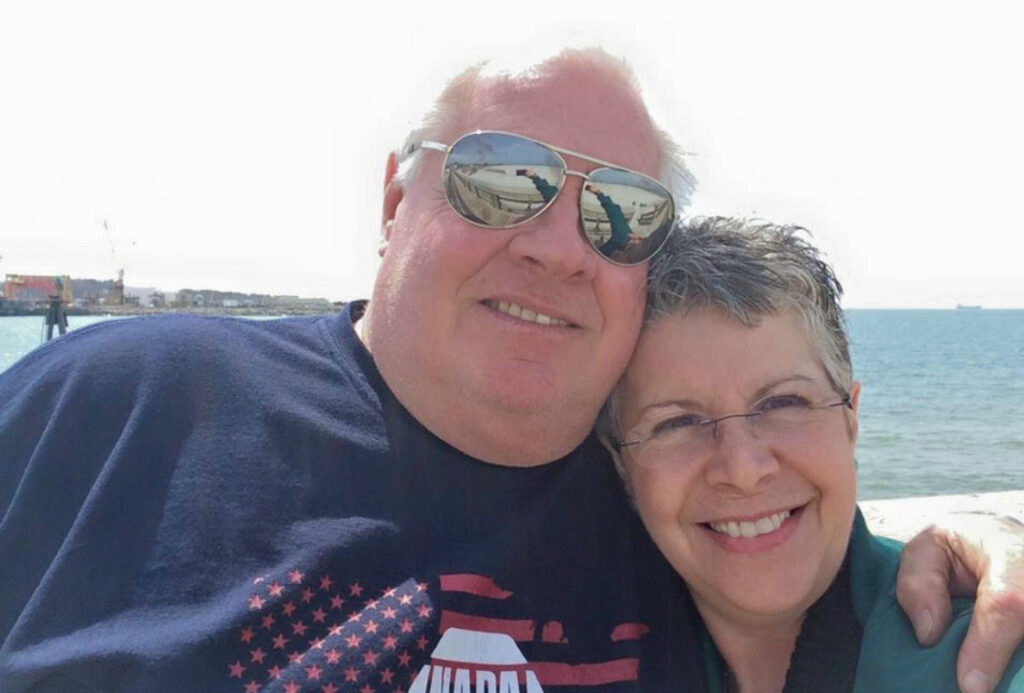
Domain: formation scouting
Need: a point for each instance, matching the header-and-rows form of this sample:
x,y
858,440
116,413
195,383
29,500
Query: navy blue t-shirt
x,y
212,504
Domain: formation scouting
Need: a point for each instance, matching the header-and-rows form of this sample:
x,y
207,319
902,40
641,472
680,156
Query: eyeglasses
x,y
499,180
779,419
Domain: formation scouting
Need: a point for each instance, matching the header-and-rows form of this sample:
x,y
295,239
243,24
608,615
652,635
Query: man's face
x,y
448,291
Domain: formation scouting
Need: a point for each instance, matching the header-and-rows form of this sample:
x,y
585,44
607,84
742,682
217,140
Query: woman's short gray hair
x,y
748,269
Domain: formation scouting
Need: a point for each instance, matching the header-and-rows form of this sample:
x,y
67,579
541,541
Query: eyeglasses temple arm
x,y
844,402
619,444
425,144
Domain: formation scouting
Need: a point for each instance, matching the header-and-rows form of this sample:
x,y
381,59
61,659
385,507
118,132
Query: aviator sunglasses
x,y
498,180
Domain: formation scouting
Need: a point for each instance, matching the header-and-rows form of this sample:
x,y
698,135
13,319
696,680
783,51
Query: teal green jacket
x,y
891,661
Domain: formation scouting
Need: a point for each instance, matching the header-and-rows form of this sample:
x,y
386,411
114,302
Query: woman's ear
x,y
854,409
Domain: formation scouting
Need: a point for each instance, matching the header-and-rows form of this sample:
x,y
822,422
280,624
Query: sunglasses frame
x,y
558,152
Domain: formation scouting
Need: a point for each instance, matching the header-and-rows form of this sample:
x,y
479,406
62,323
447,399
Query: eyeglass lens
x,y
782,426
501,180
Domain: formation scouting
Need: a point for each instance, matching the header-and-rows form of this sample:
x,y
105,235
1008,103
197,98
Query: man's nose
x,y
552,241
740,460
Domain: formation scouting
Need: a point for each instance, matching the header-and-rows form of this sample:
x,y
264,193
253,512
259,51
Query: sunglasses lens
x,y
500,180
626,216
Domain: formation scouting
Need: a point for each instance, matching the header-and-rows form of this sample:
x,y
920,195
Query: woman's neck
x,y
757,655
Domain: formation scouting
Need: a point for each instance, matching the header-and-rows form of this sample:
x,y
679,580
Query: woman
x,y
736,424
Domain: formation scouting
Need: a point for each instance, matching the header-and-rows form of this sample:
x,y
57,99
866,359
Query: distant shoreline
x,y
129,311
117,311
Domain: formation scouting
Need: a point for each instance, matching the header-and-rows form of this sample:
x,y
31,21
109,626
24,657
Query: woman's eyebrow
x,y
692,404
686,404
768,387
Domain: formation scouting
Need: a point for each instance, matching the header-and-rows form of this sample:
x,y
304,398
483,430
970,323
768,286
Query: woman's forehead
x,y
707,356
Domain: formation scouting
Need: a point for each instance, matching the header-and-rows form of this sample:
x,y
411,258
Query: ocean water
x,y
942,405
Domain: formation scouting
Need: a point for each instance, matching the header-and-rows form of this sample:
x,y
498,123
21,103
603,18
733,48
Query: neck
x,y
757,656
491,433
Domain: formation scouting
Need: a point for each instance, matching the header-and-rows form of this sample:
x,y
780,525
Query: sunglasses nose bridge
x,y
553,239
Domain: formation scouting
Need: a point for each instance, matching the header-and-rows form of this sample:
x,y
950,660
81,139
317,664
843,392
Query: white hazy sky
x,y
242,146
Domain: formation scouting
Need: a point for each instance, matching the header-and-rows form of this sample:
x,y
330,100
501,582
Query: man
x,y
401,498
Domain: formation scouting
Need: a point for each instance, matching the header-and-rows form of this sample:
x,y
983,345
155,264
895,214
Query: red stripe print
x,y
629,631
558,674
520,631
473,668
473,584
553,632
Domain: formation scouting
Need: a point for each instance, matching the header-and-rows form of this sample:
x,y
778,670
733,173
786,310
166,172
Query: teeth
x,y
748,530
517,311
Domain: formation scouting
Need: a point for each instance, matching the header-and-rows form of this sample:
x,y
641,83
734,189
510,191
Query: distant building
x,y
37,288
144,296
28,292
95,292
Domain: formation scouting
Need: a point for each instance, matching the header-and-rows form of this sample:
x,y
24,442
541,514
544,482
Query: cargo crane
x,y
117,295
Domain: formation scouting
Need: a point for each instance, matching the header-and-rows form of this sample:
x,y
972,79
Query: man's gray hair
x,y
445,119
747,269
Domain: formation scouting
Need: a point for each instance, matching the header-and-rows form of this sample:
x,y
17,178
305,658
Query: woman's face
x,y
697,491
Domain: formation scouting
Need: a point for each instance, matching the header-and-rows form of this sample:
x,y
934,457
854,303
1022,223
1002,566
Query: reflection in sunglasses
x,y
498,195
501,180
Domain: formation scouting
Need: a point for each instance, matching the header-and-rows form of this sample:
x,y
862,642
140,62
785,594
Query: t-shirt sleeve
x,y
64,409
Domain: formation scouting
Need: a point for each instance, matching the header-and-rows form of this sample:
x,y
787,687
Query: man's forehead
x,y
583,110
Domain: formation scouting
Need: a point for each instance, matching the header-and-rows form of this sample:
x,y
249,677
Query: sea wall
x,y
902,518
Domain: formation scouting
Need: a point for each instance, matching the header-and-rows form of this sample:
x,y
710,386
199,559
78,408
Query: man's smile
x,y
526,314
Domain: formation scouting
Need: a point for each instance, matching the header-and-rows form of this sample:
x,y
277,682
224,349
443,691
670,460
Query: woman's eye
x,y
783,402
677,423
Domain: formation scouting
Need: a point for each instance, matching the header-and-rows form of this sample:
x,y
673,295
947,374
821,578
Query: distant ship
x,y
961,306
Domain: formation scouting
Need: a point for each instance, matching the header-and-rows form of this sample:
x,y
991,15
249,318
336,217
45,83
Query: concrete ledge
x,y
902,518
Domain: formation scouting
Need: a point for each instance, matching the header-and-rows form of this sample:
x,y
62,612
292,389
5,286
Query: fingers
x,y
934,565
997,629
922,588
997,624
983,555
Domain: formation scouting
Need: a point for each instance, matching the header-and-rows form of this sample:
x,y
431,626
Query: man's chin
x,y
534,391
520,385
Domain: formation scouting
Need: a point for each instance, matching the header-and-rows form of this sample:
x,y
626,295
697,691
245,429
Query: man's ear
x,y
393,193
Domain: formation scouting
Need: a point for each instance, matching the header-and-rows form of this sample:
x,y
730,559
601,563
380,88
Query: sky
x,y
242,146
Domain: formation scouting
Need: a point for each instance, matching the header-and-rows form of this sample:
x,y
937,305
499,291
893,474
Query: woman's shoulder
x,y
891,658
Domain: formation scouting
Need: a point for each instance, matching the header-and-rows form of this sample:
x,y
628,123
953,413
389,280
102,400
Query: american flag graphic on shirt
x,y
318,633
